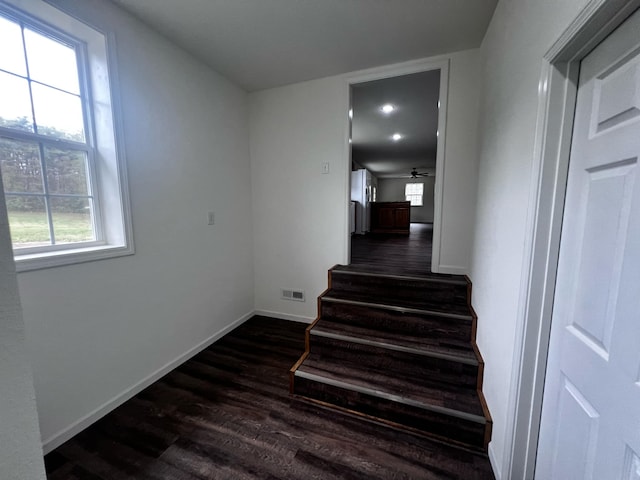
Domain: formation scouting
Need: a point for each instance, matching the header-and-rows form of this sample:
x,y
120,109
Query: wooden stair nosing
x,y
391,397
294,368
420,311
489,423
399,348
383,321
422,276
452,294
349,373
452,429
391,424
372,361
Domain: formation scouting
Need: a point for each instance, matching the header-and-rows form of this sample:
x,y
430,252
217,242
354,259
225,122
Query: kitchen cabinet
x,y
390,217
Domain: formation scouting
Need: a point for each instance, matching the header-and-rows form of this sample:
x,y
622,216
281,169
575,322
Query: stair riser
x,y
433,326
400,289
411,367
435,423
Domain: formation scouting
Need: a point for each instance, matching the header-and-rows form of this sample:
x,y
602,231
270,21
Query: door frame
x,y
556,106
397,70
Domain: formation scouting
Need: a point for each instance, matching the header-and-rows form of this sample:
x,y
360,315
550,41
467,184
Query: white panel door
x,y
590,425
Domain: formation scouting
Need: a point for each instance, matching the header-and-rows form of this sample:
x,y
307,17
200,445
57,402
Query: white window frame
x,y
112,214
412,196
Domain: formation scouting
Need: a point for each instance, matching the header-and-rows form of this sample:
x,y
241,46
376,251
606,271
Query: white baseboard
x,y
494,463
76,427
285,316
451,269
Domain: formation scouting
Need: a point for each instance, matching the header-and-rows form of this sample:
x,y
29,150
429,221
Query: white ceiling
x,y
415,98
266,43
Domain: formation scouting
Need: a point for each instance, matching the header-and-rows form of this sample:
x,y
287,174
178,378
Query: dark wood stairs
x,y
399,350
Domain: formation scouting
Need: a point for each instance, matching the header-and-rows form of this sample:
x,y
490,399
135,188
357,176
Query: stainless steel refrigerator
x,y
362,193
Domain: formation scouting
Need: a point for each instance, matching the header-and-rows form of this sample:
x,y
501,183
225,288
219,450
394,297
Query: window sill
x,y
39,261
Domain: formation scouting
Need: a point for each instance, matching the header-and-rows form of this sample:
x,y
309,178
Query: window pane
x,y
51,62
20,166
72,219
12,51
414,189
66,171
416,200
28,221
58,114
15,103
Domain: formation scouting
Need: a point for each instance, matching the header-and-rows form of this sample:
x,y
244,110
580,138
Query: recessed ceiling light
x,y
396,136
387,108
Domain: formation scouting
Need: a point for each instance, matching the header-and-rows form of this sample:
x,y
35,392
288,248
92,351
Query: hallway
x,y
394,254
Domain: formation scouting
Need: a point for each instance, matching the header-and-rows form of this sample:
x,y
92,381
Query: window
x,y
64,202
413,193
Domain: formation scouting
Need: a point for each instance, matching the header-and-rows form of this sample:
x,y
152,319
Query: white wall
x,y
392,190
460,172
95,330
519,35
299,215
20,447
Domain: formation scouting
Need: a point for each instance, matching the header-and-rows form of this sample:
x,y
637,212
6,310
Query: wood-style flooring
x,y
227,414
394,254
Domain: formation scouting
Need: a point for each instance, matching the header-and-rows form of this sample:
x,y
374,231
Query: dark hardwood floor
x,y
227,414
394,254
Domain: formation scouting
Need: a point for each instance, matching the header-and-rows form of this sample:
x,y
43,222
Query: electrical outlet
x,y
212,218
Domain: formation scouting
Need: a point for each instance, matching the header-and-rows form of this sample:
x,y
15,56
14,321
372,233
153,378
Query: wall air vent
x,y
290,294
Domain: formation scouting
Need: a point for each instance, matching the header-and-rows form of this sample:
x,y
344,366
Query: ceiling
x,y
415,117
260,44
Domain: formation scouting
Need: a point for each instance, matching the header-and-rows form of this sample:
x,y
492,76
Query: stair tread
x,y
423,345
455,400
416,304
383,271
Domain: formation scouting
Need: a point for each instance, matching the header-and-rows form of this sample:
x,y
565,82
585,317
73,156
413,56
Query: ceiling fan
x,y
416,174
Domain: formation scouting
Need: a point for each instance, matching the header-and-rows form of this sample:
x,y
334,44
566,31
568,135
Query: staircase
x,y
399,350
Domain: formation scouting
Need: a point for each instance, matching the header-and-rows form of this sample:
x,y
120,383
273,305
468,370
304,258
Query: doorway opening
x,y
394,144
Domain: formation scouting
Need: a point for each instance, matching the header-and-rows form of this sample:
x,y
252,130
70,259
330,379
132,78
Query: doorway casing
x,y
557,95
398,70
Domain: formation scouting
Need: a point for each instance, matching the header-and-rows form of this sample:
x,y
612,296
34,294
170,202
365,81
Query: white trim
x,y
389,71
69,256
58,438
494,463
346,233
452,270
557,90
118,127
284,316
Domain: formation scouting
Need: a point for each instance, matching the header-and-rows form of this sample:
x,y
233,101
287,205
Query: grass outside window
x,y
32,228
